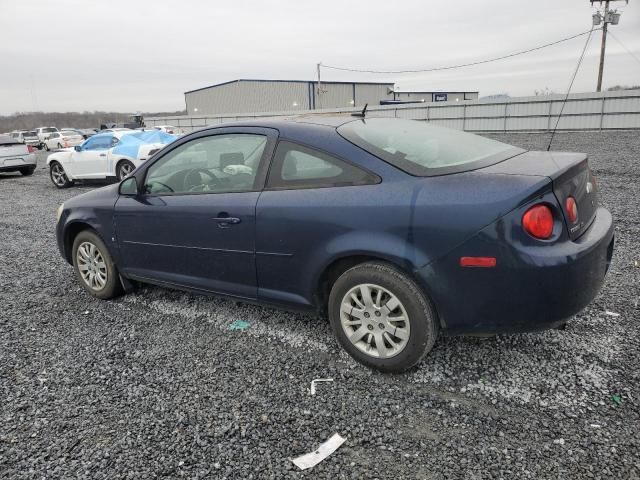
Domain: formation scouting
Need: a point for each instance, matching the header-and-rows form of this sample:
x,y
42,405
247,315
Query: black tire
x,y
421,314
112,286
59,146
46,147
27,171
59,182
123,165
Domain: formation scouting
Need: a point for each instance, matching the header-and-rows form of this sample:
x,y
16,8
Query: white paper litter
x,y
317,380
612,314
325,449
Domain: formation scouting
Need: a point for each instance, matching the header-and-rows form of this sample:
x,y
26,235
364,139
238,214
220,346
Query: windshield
x,y
49,130
423,149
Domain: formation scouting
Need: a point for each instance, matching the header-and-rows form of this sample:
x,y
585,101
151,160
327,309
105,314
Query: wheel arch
x,y
54,158
71,231
332,271
119,161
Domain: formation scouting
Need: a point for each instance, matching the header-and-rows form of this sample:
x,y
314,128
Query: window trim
x,y
276,164
264,163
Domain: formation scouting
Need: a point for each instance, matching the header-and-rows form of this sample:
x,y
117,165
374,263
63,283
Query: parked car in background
x,y
169,129
26,137
88,132
43,133
16,156
115,129
105,155
71,130
398,229
63,139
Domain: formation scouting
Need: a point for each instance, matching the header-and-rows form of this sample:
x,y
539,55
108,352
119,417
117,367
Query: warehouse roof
x,y
288,81
436,91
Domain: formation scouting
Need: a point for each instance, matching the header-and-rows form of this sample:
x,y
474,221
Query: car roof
x,y
287,124
118,134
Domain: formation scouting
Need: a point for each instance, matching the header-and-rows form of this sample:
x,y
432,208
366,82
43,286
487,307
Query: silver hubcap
x,y
125,169
92,266
375,321
57,173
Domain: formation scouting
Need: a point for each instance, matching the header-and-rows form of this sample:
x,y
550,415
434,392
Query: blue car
x,y
396,229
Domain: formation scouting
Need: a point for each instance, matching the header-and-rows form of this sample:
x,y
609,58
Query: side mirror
x,y
129,187
77,148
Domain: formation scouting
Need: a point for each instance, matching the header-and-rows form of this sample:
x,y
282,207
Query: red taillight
x,y
538,221
572,209
29,148
486,262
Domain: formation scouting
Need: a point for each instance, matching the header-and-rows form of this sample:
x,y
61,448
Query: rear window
x,y
49,130
423,149
29,134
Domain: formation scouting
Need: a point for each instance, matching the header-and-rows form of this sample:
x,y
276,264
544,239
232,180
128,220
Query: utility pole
x,y
319,89
603,45
610,16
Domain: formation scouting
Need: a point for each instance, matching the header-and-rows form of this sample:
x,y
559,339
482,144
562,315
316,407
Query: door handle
x,y
225,221
103,154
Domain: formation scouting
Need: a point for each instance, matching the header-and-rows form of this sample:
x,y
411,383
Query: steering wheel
x,y
193,180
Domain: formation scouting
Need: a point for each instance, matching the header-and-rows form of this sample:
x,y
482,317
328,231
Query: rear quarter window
x,y
297,166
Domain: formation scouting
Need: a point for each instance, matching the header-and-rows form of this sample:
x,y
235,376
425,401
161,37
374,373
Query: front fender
x,y
92,210
60,157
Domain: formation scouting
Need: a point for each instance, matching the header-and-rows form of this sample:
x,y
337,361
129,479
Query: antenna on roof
x,y
361,114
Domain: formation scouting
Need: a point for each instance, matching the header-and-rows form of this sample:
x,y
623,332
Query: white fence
x,y
582,111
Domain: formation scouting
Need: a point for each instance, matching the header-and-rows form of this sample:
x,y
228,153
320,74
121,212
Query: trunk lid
x,y
570,176
13,150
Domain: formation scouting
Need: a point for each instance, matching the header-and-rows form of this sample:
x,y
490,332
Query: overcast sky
x,y
117,55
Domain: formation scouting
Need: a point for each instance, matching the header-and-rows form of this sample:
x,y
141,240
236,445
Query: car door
x,y
313,207
195,224
91,160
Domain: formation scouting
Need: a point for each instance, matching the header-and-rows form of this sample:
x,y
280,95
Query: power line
x,y
451,67
623,46
584,50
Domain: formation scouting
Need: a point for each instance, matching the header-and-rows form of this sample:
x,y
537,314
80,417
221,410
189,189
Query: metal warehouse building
x,y
255,96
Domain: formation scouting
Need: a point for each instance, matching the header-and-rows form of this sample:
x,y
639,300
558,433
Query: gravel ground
x,y
155,384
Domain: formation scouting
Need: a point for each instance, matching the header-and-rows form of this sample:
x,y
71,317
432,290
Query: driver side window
x,y
214,164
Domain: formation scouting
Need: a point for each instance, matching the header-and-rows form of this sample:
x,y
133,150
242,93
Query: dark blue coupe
x,y
397,229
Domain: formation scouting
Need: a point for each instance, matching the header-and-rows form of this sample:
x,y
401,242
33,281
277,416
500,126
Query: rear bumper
x,y
531,287
13,164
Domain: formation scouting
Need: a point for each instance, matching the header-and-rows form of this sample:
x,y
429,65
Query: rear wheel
x,y
58,177
46,147
94,266
125,167
381,317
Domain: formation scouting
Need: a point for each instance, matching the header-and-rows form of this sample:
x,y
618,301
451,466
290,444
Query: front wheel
x,y
125,167
381,317
58,177
94,266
